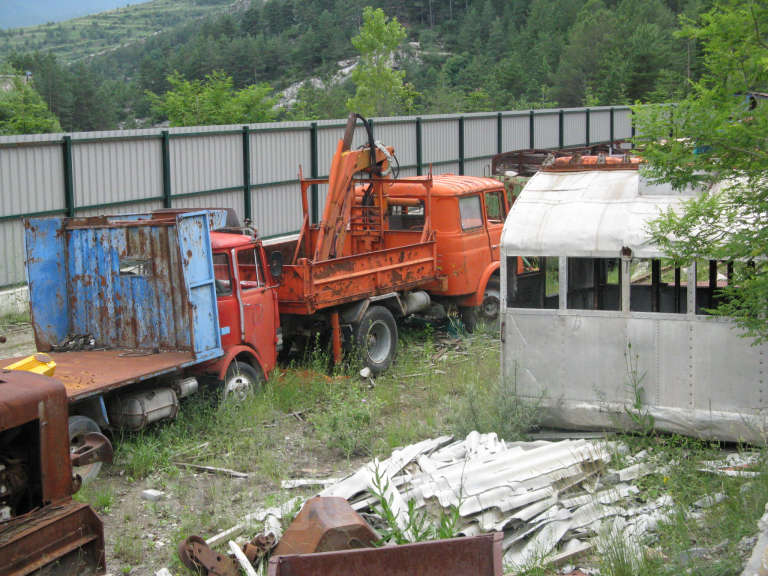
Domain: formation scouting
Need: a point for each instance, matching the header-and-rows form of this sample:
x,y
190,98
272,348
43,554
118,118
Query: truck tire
x,y
79,426
376,338
468,315
491,305
241,381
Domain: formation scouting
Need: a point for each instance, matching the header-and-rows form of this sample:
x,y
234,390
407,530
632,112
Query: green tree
x,y
381,90
23,111
720,144
213,101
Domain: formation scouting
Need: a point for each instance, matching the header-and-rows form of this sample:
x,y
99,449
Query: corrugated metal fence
x,y
254,168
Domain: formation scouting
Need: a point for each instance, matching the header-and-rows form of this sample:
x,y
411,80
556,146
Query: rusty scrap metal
x,y
259,547
46,526
196,555
325,524
95,448
476,556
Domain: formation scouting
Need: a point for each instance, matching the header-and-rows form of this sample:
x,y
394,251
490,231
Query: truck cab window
x,y
494,206
221,274
406,217
533,282
471,213
250,269
594,284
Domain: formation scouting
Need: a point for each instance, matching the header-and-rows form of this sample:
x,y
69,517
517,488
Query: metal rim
x,y
239,386
89,471
378,342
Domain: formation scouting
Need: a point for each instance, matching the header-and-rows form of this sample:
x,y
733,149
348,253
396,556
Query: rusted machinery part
x,y
196,555
2,340
95,448
259,547
325,524
476,556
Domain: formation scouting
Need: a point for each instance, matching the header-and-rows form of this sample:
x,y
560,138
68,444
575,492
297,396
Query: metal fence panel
x,y
229,199
130,208
622,120
116,171
276,156
402,136
31,179
480,137
515,132
12,252
479,167
441,140
277,209
574,128
600,125
545,129
201,163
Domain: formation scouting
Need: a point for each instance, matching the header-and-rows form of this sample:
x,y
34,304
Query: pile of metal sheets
x,y
549,498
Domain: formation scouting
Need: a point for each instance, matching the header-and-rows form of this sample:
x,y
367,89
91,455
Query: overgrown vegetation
x,y
718,141
455,57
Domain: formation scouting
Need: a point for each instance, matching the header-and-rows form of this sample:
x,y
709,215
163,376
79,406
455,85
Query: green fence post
x,y
499,140
313,170
419,159
586,129
166,148
611,125
461,144
247,172
561,129
531,136
69,183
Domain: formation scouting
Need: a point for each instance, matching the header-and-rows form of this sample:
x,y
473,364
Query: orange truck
x,y
385,248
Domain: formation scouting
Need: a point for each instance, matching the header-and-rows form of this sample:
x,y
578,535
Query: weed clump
x,y
493,405
348,422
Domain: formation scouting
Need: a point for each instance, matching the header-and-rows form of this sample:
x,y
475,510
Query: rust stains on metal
x,y
477,556
196,555
324,525
83,373
46,526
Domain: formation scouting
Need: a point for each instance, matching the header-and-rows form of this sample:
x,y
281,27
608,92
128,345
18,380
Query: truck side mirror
x,y
276,264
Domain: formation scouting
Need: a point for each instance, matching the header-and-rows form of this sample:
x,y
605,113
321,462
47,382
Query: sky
x,y
17,13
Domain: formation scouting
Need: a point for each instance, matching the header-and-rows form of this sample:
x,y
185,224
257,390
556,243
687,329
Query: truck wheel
x,y
376,338
79,426
468,315
241,381
491,305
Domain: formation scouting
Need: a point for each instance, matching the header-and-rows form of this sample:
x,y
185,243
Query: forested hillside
x,y
459,55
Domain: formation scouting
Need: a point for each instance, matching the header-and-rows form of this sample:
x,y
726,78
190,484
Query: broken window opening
x,y
221,274
657,285
594,284
250,270
533,282
406,217
713,277
494,207
135,267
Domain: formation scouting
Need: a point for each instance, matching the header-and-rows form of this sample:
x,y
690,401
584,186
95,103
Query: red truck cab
x,y
248,312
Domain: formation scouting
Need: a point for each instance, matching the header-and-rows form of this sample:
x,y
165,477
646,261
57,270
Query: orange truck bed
x,y
308,286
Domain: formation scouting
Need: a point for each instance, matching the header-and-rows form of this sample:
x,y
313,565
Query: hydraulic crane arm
x,y
345,165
